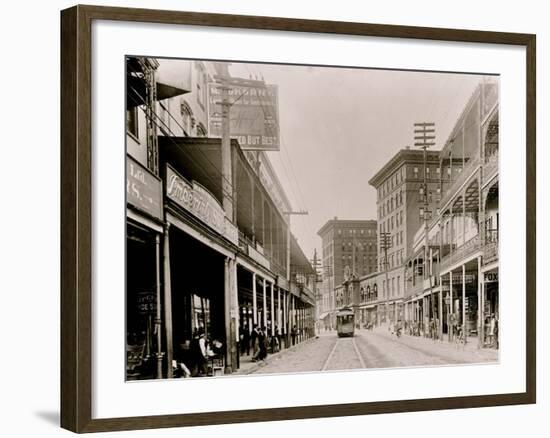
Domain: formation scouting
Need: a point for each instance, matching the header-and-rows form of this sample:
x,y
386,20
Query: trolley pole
x,y
424,138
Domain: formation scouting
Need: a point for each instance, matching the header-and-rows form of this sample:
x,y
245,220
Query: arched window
x,y
201,130
187,117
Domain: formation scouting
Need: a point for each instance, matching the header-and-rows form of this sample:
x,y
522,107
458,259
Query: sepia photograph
x,y
289,218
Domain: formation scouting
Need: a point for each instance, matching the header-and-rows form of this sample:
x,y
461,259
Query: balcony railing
x,y
277,267
415,289
469,169
307,292
490,167
369,299
372,300
470,247
244,241
490,250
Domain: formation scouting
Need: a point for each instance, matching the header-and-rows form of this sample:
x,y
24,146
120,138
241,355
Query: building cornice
x,y
356,222
401,157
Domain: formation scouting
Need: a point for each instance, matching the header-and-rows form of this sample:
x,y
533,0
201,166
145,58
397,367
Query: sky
x,y
338,127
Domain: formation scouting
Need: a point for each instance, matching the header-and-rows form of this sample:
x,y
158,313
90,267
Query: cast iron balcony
x,y
490,249
469,169
462,252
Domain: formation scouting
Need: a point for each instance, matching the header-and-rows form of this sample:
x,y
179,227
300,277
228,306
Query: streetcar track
x,y
333,350
330,355
361,361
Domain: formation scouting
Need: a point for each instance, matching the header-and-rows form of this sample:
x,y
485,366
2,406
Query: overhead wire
x,y
166,130
300,197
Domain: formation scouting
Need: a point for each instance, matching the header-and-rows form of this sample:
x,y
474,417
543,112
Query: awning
x,y
166,90
136,92
324,315
368,306
173,78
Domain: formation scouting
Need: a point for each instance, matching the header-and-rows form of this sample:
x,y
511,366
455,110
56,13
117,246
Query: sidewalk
x,y
247,366
441,347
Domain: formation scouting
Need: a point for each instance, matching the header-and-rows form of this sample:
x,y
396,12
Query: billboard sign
x,y
143,189
254,113
198,201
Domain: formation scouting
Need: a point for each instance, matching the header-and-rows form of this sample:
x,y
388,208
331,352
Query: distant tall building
x,y
349,247
399,201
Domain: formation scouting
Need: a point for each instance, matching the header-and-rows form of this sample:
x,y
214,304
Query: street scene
x,y
296,218
368,349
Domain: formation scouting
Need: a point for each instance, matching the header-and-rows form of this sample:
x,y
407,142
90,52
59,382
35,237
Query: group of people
x,y
193,355
396,328
259,341
419,328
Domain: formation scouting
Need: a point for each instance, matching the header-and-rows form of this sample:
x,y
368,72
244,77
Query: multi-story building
x,y
200,256
399,185
368,300
349,249
452,273
361,295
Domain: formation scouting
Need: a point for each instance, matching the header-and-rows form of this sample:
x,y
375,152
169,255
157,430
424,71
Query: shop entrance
x,y
197,283
141,306
491,313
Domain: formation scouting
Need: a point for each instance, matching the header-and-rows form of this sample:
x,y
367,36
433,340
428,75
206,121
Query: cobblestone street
x,y
370,349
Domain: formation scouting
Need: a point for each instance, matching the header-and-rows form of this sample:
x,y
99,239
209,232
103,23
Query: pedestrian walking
x,y
244,339
254,340
276,340
293,334
493,331
263,343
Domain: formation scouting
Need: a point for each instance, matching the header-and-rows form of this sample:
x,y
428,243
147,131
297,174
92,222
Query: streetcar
x,y
345,322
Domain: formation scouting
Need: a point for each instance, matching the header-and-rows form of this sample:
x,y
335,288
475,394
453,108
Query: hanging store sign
x,y
143,189
146,304
282,282
253,114
457,279
491,277
255,255
200,203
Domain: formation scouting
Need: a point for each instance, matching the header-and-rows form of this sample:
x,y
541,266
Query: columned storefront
x,y
200,293
200,277
490,307
144,231
461,288
261,305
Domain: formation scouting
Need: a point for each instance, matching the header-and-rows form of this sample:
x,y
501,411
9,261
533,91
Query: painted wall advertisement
x,y
198,201
143,189
253,115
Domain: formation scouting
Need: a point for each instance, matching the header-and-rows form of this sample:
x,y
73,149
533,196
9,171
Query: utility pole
x,y
317,294
287,214
229,207
385,244
227,170
424,138
227,164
